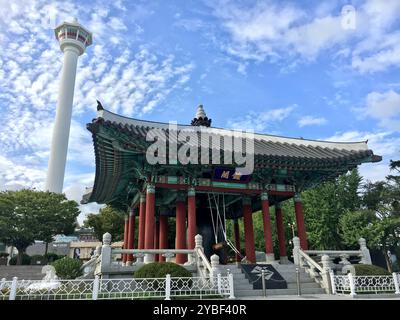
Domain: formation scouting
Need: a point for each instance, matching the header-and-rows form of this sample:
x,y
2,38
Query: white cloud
x,y
283,32
258,122
310,120
127,77
384,107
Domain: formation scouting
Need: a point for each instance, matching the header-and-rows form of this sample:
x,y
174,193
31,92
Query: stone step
x,y
22,272
246,293
293,285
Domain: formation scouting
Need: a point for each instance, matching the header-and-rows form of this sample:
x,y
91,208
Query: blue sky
x,y
292,68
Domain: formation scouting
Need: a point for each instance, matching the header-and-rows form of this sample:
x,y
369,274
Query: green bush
x,y
68,268
161,269
26,260
38,260
370,270
4,254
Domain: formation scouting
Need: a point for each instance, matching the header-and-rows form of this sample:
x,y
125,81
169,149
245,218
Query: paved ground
x,y
324,297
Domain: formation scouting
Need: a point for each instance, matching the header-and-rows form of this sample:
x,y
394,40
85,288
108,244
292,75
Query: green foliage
x,y
68,268
4,254
26,260
356,225
53,257
107,220
29,215
370,270
38,259
161,269
325,205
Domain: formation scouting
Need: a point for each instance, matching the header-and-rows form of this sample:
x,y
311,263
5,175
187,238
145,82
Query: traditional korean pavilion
x,y
203,196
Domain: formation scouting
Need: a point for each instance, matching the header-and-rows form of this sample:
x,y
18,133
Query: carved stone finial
x,y
107,239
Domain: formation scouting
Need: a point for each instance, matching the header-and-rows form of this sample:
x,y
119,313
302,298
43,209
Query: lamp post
x,y
291,225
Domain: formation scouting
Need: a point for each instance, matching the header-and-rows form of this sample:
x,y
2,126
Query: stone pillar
x,y
131,234
150,218
125,245
142,220
180,242
248,230
269,246
106,255
325,274
237,239
365,255
301,229
163,238
281,233
192,228
156,239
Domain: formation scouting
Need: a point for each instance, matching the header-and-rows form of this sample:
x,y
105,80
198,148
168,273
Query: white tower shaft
x,y
59,144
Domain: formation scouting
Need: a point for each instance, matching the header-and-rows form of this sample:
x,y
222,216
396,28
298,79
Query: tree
x,y
28,215
378,220
325,205
109,220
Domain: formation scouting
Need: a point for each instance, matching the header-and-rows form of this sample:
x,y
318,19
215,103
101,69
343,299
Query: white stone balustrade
x,y
197,260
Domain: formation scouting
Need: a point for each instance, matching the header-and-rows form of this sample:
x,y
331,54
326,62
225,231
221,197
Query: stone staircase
x,y
243,288
22,272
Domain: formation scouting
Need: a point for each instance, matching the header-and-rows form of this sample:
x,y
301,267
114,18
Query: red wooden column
x,y
142,220
237,239
192,227
301,229
248,231
156,240
125,245
180,242
131,234
163,238
269,246
150,219
280,232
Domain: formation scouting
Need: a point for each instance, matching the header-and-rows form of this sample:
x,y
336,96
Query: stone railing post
x,y
296,248
168,287
95,290
13,290
106,256
333,284
396,282
326,267
231,288
139,259
97,252
365,255
352,284
198,240
214,267
219,283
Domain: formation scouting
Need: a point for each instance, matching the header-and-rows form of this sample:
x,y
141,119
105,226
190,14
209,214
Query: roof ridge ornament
x,y
201,118
99,106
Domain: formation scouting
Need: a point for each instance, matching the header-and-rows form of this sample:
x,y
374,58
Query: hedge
x,y
161,269
369,270
68,268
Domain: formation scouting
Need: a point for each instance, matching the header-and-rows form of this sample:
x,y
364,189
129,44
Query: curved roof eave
x,y
350,146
